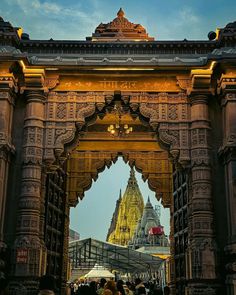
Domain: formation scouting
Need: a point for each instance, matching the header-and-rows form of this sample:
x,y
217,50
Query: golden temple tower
x,y
130,210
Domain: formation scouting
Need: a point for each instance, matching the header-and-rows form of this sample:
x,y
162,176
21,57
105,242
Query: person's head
x,y
166,290
137,281
102,282
119,283
47,283
93,285
111,285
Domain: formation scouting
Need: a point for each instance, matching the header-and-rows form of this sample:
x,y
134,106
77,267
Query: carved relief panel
x,y
167,114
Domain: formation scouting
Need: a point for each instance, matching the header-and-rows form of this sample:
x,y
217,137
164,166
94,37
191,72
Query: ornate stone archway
x,y
50,94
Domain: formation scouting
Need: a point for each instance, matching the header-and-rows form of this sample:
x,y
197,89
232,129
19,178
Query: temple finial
x,y
121,13
120,195
148,204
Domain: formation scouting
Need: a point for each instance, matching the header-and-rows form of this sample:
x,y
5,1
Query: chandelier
x,y
117,128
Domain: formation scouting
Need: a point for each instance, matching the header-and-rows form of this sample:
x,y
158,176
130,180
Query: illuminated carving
x,y
122,83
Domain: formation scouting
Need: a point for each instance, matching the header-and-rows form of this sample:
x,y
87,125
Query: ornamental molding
x,y
8,86
227,84
201,81
224,51
87,59
6,50
34,79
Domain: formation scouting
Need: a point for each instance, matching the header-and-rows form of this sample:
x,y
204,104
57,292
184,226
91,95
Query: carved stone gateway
x,y
57,99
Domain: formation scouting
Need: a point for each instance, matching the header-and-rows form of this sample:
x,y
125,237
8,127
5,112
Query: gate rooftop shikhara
x,y
55,99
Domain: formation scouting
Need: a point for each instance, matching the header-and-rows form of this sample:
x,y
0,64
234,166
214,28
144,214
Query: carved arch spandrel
x,y
168,115
84,166
67,113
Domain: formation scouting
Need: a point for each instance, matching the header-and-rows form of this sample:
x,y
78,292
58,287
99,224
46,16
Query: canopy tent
x,y
99,271
85,253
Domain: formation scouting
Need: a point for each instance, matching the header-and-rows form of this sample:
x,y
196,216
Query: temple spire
x,y
129,212
132,179
148,204
120,13
120,29
120,196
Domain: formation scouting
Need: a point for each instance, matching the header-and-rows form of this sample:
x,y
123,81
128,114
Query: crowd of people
x,y
47,286
110,287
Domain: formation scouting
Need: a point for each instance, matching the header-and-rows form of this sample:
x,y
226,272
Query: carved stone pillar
x,y
65,265
202,264
29,250
228,152
171,261
42,218
6,149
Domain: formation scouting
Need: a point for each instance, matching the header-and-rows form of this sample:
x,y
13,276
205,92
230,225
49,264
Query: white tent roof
x,y
99,271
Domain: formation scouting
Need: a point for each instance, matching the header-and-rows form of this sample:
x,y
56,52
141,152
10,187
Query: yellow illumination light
x,y
35,72
213,63
217,34
22,65
19,32
204,72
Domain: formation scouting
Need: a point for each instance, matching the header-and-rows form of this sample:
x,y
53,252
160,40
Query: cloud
x,y
179,23
187,16
43,20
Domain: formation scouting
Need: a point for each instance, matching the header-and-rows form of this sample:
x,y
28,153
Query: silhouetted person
x,y
101,286
139,287
47,285
166,290
83,290
120,288
93,288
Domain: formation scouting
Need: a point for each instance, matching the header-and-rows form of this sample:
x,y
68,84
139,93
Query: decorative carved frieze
x,y
83,168
51,82
184,83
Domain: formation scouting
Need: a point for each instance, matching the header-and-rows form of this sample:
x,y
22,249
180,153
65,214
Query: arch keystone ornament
x,y
57,100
